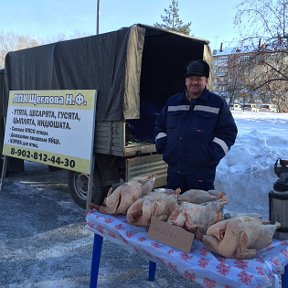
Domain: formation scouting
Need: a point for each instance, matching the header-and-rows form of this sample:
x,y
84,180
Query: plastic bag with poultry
x,y
119,200
239,237
156,204
197,218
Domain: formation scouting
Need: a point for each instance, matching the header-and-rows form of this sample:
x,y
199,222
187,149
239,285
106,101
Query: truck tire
x,y
78,188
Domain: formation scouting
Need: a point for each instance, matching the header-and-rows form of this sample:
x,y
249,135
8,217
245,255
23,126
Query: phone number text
x,y
43,157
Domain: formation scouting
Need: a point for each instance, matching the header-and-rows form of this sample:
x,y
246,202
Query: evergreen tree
x,y
171,20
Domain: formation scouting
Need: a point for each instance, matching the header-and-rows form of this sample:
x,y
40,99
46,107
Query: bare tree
x,y
235,77
265,23
171,20
12,42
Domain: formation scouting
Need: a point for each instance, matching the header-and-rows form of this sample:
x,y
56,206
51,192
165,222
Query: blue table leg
x,y
96,256
285,277
152,271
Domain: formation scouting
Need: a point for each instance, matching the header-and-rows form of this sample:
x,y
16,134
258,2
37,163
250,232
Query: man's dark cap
x,y
197,68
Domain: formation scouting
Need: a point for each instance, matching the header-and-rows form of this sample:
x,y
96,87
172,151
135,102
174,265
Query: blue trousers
x,y
188,181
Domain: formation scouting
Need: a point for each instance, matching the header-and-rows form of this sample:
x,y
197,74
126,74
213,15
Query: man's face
x,y
195,85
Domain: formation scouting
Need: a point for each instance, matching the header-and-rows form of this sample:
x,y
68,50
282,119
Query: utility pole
x,y
97,20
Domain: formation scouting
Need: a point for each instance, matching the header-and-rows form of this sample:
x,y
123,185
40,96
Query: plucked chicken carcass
x,y
197,218
198,196
239,237
158,204
119,200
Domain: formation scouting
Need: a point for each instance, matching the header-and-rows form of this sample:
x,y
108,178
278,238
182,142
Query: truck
x,y
135,70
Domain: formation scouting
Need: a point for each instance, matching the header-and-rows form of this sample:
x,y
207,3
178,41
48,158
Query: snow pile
x,y
246,174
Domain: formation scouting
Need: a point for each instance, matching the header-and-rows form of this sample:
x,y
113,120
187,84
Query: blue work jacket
x,y
194,137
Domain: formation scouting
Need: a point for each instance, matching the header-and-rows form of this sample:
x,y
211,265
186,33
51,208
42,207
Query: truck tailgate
x,y
147,165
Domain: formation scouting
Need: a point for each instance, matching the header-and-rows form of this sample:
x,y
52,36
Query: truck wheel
x,y
78,188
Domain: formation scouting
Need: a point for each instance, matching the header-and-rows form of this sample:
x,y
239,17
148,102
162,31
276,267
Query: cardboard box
x,y
171,235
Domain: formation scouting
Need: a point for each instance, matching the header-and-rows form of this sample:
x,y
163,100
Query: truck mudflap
x,y
147,165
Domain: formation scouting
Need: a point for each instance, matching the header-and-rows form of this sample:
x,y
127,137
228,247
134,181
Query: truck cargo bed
x,y
111,139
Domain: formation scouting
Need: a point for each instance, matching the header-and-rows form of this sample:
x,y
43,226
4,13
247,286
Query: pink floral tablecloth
x,y
199,265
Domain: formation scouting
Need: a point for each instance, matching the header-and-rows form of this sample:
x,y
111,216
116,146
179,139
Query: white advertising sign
x,y
52,127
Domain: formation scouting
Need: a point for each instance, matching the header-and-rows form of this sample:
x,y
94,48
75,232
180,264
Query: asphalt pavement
x,y
43,241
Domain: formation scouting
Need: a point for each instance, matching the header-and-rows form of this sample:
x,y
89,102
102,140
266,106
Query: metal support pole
x,y
3,173
97,20
152,271
285,277
95,263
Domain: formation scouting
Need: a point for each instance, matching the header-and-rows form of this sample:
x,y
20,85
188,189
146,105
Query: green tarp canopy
x,y
128,66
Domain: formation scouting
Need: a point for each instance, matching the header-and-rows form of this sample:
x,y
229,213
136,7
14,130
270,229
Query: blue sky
x,y
211,19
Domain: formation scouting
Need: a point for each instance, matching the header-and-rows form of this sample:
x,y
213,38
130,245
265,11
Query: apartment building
x,y
225,72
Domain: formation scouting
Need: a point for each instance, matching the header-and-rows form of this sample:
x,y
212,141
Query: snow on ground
x,y
246,174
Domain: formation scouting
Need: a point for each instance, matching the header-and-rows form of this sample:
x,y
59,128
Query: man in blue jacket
x,y
194,131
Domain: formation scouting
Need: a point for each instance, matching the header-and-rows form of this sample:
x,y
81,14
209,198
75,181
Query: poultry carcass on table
x,y
119,200
198,196
158,204
197,218
239,237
